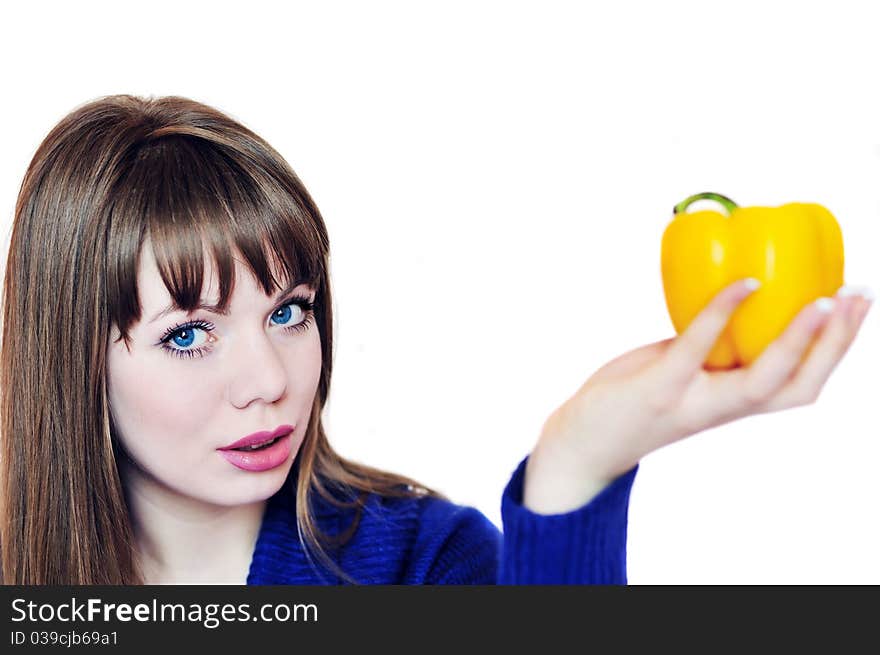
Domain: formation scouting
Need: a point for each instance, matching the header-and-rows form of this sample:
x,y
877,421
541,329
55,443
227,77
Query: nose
x,y
257,373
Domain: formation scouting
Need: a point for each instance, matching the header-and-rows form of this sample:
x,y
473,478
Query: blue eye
x,y
183,337
282,314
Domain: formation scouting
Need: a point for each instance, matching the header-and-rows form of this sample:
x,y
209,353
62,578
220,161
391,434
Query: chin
x,y
254,487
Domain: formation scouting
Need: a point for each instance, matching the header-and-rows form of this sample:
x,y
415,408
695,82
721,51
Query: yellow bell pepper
x,y
795,250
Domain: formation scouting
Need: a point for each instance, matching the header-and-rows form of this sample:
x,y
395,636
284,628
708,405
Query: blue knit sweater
x,y
433,541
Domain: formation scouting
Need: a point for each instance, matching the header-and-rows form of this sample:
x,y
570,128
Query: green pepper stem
x,y
724,201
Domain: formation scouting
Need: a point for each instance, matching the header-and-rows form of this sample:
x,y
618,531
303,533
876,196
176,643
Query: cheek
x,y
159,402
304,366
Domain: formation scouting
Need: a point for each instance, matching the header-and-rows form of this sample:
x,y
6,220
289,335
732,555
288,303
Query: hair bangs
x,y
192,198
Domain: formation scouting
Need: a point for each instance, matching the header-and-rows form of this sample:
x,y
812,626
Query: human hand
x,y
660,393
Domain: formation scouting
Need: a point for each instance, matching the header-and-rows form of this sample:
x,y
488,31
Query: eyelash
x,y
301,301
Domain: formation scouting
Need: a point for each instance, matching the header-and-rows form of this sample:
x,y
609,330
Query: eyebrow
x,y
214,309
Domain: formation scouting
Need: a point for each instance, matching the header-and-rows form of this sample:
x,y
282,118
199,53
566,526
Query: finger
x,y
859,310
776,365
862,312
824,356
686,354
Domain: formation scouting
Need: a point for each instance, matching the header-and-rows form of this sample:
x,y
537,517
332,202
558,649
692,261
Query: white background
x,y
496,178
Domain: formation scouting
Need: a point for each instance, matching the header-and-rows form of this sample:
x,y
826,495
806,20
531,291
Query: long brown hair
x,y
112,172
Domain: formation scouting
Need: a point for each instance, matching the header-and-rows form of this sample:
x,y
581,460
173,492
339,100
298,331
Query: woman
x,y
166,357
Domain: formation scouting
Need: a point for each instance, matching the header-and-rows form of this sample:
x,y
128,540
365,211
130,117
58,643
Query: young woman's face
x,y
193,385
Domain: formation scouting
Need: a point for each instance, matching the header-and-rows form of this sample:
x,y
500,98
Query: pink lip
x,y
258,437
260,460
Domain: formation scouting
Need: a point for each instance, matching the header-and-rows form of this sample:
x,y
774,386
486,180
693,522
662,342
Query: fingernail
x,y
825,305
848,290
751,283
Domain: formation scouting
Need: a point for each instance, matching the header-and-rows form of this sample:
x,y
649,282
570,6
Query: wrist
x,y
545,491
564,473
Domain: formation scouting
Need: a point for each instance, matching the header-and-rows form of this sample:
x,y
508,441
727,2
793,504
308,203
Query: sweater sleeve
x,y
584,546
459,545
